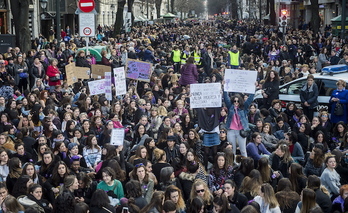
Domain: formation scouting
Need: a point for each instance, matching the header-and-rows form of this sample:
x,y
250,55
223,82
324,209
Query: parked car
x,y
290,92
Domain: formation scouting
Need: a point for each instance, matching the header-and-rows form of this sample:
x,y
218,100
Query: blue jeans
x,y
233,136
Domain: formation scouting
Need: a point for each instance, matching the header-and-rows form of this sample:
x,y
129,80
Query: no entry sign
x,y
86,6
87,24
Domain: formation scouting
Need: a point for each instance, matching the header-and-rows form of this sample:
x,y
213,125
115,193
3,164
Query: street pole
x,y
58,20
343,19
147,9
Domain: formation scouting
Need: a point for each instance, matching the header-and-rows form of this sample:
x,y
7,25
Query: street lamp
x,y
43,4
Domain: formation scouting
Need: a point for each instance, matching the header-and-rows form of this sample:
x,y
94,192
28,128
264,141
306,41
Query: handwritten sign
x,y
117,137
242,81
120,81
138,70
108,92
96,87
205,95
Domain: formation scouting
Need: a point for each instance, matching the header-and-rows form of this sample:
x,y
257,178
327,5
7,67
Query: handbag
x,y
338,109
23,75
54,79
244,133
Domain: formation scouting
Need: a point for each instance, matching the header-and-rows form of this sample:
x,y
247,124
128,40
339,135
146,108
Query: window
x,y
295,88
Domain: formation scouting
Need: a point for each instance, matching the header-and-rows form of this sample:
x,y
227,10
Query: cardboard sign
x,y
242,81
138,70
205,95
74,73
98,71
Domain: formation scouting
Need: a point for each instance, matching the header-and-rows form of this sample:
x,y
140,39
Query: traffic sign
x,y
86,6
87,24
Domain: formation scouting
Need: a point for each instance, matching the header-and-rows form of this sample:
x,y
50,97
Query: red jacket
x,y
51,72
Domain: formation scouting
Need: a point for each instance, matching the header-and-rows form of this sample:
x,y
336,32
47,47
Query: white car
x,y
290,92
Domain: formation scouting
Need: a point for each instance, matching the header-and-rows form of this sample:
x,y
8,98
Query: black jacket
x,y
239,200
310,94
323,200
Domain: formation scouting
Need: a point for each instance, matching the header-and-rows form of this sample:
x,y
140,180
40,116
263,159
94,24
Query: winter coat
x,y
189,74
343,96
310,95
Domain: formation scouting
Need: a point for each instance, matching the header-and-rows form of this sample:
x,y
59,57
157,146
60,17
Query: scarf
x,y
39,68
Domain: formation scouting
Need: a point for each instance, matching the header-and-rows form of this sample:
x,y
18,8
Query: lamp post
x,y
43,4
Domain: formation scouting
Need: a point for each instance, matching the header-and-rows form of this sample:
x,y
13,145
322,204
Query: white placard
x,y
117,137
108,92
205,95
96,87
242,81
87,24
120,81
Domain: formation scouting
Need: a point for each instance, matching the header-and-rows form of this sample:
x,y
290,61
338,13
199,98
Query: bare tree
x,y
119,17
158,4
272,13
20,13
315,20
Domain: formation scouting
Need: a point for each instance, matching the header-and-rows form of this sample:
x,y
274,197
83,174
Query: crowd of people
x,y
56,152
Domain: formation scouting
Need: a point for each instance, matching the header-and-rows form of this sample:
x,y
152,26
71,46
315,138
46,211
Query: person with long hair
x,y
34,199
338,203
322,194
233,196
147,185
330,178
266,172
307,201
270,89
54,183
86,187
287,198
294,147
197,205
267,200
101,203
21,76
297,178
251,184
155,205
255,148
219,173
47,165
195,143
92,152
66,200
280,160
315,163
268,139
134,191
237,120
189,74
15,171
140,153
161,162
221,205
200,189
174,194
11,205
54,75
21,186
244,169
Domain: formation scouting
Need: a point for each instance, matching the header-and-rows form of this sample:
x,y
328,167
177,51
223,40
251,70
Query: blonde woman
x,y
162,111
280,160
200,189
267,200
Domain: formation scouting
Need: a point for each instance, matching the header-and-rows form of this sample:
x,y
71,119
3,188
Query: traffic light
x,y
283,21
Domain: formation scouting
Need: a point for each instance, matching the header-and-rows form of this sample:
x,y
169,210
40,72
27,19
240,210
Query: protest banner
x,y
108,92
98,71
242,81
138,70
96,87
117,137
205,95
73,73
120,81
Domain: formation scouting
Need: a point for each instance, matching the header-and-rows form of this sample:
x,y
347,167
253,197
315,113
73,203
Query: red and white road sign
x,y
87,31
86,6
87,24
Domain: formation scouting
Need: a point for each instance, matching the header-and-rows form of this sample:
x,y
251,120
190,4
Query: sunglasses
x,y
222,132
198,191
236,101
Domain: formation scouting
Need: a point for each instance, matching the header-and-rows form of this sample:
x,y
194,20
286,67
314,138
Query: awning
x,y
169,15
266,17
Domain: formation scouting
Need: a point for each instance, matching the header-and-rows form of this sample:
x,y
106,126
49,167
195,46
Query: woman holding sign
x,y
237,121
